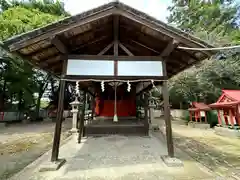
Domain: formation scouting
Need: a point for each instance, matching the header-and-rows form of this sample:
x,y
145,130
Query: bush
x,y
187,116
212,118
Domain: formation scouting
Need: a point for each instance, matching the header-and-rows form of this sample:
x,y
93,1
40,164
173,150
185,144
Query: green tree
x,y
19,80
216,23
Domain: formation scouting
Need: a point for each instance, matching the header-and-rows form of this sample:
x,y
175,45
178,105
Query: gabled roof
x,y
197,106
233,94
92,31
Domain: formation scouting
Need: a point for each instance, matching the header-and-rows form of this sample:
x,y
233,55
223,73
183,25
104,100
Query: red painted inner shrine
x,y
126,102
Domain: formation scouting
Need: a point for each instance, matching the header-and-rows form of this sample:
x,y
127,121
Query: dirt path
x,y
220,154
22,143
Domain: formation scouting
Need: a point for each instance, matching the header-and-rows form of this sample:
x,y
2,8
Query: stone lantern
x,y
75,108
152,106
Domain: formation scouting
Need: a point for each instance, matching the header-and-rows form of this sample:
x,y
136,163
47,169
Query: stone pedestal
x,y
172,161
52,166
151,112
75,105
2,125
74,121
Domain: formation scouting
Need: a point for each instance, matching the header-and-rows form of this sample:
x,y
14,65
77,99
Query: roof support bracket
x,y
59,45
125,49
102,52
170,47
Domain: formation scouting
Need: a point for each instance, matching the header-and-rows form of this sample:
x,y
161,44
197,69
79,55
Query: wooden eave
x,y
90,32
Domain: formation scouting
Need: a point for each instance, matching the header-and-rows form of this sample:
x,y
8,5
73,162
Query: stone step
x,y
116,129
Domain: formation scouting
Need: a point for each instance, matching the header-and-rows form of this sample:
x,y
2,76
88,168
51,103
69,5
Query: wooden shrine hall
x,y
116,45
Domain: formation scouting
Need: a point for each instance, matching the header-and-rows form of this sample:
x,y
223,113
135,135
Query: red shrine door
x,y
126,102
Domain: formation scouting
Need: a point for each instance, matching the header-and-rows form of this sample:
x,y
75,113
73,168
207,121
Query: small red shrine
x,y
198,112
228,107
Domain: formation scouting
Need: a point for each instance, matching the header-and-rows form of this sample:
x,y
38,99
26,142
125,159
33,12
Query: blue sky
x,y
155,8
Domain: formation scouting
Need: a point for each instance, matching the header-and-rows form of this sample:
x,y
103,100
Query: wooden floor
x,y
123,127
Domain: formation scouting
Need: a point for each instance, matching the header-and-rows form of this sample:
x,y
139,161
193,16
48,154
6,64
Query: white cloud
x,y
155,8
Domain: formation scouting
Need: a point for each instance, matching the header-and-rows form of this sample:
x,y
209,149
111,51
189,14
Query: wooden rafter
x,y
59,45
105,49
142,45
160,28
170,47
125,49
89,43
23,43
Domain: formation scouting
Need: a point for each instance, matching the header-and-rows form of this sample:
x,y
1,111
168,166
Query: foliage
x,y
217,15
212,118
46,6
217,23
19,80
18,20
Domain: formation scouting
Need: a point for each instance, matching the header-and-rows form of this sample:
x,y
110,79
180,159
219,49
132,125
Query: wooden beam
x,y
140,44
110,57
59,119
78,48
125,49
61,29
80,77
170,47
59,45
81,122
162,28
167,115
106,49
116,42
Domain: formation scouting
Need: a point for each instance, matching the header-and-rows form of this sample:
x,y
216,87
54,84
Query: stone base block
x,y
73,130
154,127
26,121
172,161
52,166
226,132
199,125
2,125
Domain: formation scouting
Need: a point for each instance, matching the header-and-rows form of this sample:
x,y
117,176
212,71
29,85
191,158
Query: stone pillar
x,y
151,109
75,104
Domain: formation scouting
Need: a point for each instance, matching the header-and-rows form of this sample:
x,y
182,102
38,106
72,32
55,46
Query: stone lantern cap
x,y
152,102
75,102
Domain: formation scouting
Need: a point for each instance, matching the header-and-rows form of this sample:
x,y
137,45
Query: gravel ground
x,y
20,144
119,158
219,154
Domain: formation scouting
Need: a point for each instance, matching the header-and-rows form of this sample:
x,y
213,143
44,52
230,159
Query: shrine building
x,y
116,54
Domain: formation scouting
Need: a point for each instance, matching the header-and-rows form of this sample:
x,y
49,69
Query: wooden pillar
x,y
59,119
167,114
219,117
81,122
93,108
238,115
231,117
